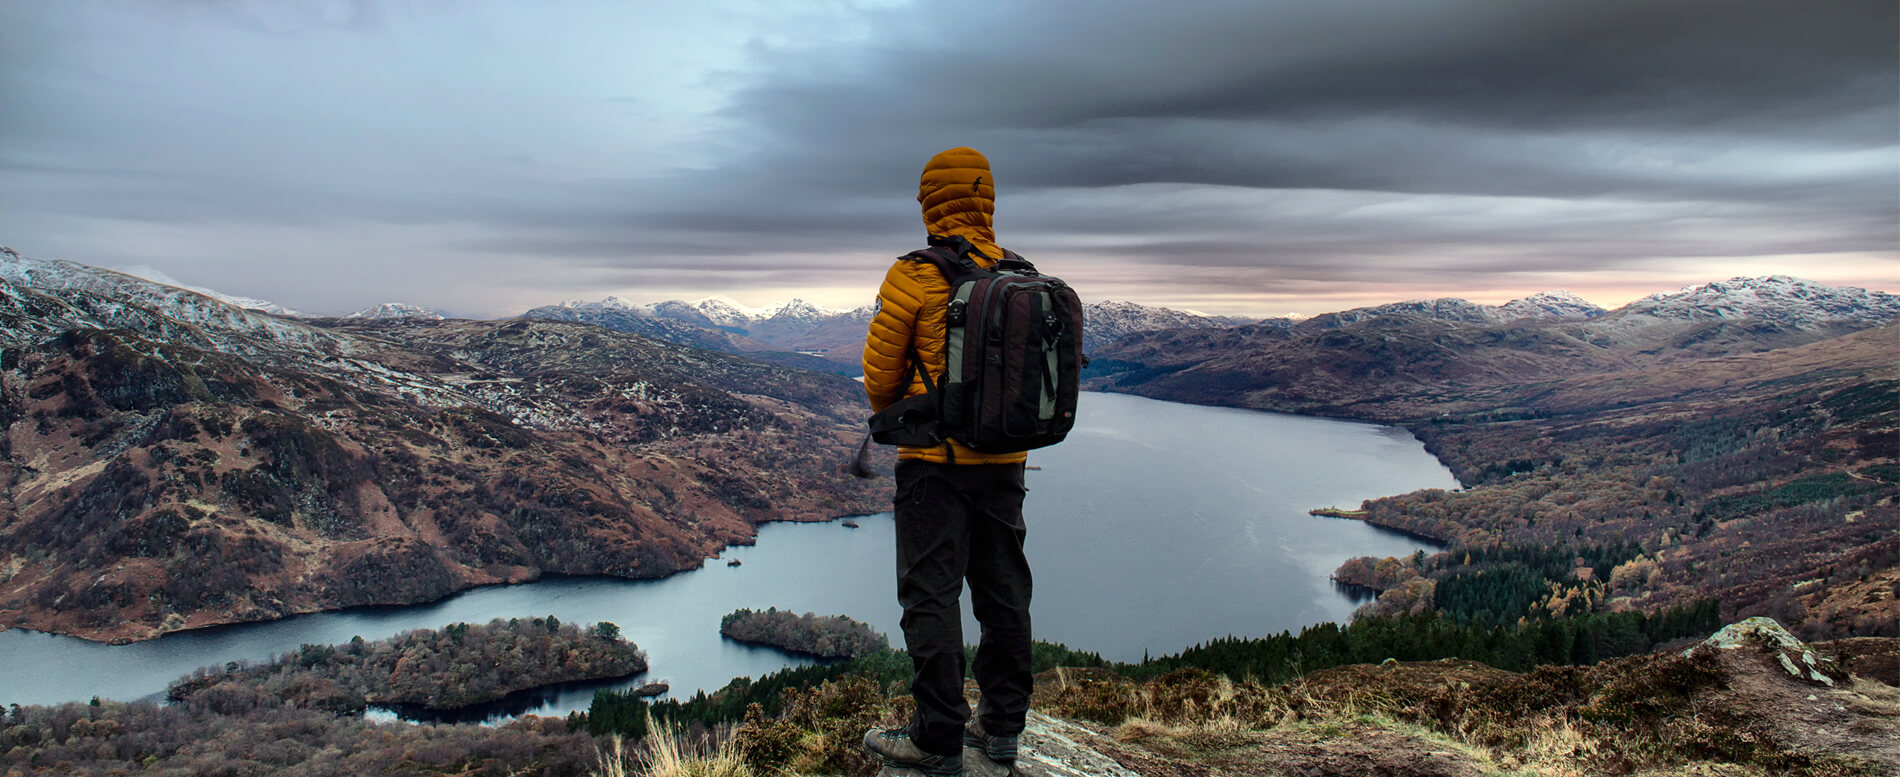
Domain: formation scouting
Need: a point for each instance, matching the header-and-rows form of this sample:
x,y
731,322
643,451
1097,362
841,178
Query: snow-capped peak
x,y
390,310
1560,303
730,306
799,309
610,303
723,312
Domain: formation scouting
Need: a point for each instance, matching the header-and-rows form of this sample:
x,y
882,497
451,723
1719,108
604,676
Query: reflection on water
x,y
1157,526
511,706
1355,593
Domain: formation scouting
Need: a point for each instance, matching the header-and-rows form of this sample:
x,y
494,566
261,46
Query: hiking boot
x,y
895,748
1001,750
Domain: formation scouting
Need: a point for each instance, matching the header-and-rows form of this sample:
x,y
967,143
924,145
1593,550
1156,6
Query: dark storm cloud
x,y
1330,95
1214,143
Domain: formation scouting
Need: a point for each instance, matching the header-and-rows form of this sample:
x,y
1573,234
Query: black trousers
x,y
958,523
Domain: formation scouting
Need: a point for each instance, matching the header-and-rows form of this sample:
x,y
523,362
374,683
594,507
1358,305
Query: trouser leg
x,y
932,553
1000,588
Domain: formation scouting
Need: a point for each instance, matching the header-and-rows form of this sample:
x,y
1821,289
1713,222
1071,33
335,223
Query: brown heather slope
x,y
173,465
1730,706
1750,461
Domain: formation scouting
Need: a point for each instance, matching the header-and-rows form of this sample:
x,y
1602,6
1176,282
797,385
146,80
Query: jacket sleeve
x,y
887,345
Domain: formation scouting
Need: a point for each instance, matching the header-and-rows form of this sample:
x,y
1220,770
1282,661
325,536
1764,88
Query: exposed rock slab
x,y
1049,748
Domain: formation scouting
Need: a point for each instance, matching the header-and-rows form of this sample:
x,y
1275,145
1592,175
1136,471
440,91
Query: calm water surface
x,y
1156,526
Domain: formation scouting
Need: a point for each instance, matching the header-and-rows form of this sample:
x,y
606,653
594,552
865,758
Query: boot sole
x,y
932,771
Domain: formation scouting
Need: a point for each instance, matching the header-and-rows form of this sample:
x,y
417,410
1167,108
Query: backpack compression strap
x,y
935,397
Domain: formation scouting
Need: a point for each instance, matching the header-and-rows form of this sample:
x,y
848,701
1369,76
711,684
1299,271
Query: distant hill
x,y
1740,436
174,461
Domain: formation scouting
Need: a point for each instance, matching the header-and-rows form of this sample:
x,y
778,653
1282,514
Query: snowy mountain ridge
x,y
717,312
158,276
111,299
1543,305
397,310
1778,298
39,298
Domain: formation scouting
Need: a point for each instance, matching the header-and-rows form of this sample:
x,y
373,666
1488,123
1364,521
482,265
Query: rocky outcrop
x,y
1765,635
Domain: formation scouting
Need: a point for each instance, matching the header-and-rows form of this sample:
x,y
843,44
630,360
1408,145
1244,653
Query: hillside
x,y
171,461
1735,440
1724,707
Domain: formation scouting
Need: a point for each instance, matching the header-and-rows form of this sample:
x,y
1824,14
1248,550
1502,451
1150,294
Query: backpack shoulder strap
x,y
951,256
958,244
945,262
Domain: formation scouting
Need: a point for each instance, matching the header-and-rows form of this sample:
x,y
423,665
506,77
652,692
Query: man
x,y
959,511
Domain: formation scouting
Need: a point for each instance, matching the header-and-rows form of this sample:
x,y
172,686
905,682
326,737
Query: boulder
x,y
1765,634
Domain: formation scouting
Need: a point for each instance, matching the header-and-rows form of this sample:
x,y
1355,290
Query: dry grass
x,y
1553,749
614,763
665,752
1874,698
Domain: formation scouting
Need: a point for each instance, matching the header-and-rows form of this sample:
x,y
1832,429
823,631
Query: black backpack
x,y
1012,358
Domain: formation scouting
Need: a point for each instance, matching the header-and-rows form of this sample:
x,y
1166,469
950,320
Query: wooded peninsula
x,y
829,636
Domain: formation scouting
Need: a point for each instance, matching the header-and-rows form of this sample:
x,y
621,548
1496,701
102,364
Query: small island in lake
x,y
458,666
830,636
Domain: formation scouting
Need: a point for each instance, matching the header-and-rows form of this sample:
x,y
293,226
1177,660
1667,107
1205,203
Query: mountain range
x,y
1455,344
838,335
799,333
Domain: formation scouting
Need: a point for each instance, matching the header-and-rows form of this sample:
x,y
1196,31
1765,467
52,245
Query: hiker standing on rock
x,y
959,507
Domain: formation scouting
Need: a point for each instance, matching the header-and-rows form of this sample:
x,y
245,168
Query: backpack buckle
x,y
955,313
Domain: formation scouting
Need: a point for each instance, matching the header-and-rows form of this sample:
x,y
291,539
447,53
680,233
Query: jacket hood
x,y
958,196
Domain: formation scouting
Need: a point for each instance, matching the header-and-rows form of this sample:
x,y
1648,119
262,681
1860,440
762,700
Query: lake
x,y
1154,527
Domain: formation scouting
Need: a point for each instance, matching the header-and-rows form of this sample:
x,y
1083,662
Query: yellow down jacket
x,y
958,198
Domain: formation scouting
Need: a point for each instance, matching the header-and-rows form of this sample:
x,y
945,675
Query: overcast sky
x,y
1233,157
